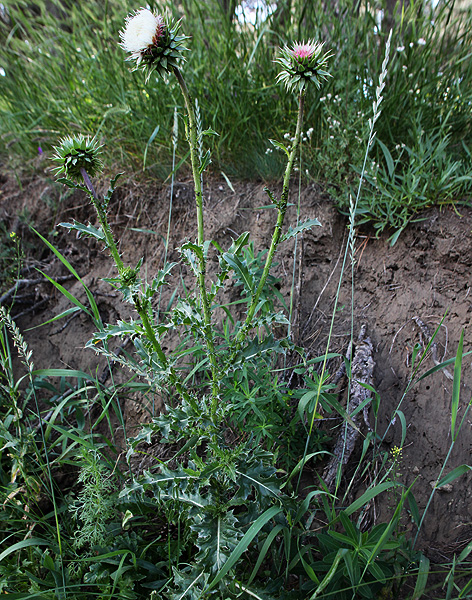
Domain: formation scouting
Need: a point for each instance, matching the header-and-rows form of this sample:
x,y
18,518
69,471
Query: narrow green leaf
x,y
292,232
63,260
63,314
243,544
62,373
466,590
456,386
454,474
235,263
368,495
228,182
67,294
421,580
88,230
265,548
414,510
388,158
280,146
330,574
149,142
465,553
23,544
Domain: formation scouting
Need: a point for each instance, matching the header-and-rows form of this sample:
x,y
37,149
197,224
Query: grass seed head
x,y
303,63
152,42
75,152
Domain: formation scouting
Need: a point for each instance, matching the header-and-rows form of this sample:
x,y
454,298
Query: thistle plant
x,y
303,63
154,44
77,157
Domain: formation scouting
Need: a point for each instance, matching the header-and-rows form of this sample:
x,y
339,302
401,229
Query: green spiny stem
x,y
102,217
149,330
174,378
282,208
192,141
110,242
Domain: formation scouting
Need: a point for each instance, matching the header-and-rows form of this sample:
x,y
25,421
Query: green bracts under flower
x,y
75,153
303,63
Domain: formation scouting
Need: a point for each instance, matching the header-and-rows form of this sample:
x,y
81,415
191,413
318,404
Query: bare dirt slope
x,y
401,294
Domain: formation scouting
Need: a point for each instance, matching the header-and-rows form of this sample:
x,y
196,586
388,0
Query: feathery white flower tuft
x,y
152,41
142,30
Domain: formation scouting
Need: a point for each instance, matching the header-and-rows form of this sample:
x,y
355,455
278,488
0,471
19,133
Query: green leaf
x,y
65,313
260,477
265,548
292,232
466,589
280,146
149,142
23,544
206,160
456,386
239,243
388,158
81,229
62,373
454,474
96,313
209,131
228,182
68,183
217,538
67,294
340,554
421,580
368,495
241,269
243,544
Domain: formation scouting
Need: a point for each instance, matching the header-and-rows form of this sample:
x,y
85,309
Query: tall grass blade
x,y
243,544
456,386
422,579
341,553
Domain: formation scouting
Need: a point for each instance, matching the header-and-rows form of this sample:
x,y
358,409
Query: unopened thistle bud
x,y
152,42
77,152
302,63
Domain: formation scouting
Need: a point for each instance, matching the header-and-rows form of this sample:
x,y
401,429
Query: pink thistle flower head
x,y
303,63
152,42
303,51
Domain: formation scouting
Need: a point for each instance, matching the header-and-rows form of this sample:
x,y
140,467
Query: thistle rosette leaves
x,y
153,42
76,152
303,63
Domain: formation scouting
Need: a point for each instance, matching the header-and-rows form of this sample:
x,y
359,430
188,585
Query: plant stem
x,y
111,245
102,218
192,141
282,208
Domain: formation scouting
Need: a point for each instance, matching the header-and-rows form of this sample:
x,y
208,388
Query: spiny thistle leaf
x,y
217,538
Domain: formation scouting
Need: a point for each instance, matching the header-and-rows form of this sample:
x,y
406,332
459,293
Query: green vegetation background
x,y
63,72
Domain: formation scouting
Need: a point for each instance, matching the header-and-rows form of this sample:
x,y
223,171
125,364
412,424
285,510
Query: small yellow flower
x,y
396,453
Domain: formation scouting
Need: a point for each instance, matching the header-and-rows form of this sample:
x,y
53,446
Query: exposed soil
x,y
401,293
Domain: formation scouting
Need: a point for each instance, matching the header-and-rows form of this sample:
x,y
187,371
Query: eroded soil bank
x,y
401,294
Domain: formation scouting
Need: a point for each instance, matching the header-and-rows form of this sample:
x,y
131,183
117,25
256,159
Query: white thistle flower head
x,y
142,30
303,63
152,42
